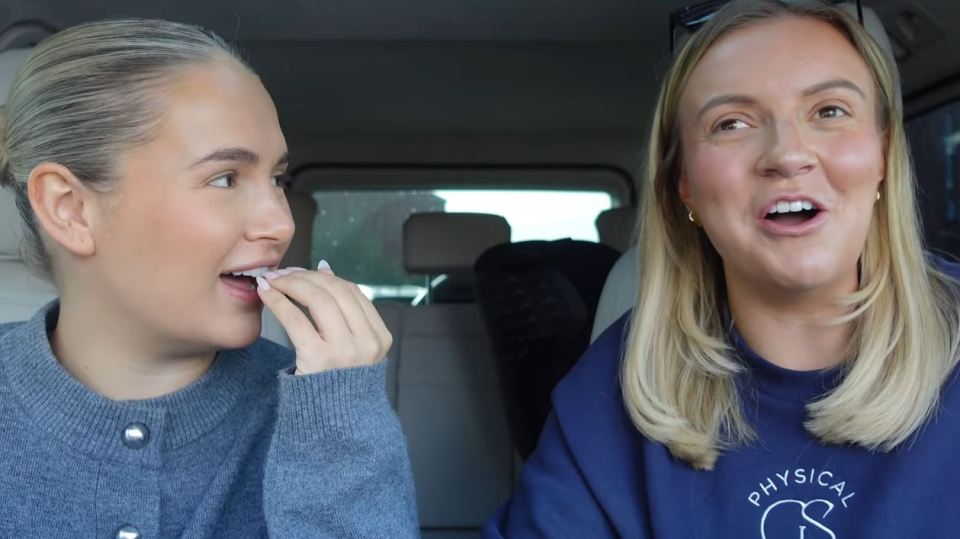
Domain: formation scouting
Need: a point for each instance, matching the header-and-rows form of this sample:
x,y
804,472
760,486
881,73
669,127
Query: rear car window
x,y
360,232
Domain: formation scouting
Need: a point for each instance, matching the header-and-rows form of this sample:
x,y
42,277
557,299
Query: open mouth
x,y
792,213
245,283
244,280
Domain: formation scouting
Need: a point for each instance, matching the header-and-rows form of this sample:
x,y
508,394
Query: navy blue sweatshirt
x,y
594,475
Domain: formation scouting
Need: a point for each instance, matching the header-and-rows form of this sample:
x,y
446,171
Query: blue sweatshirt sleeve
x,y
338,465
552,500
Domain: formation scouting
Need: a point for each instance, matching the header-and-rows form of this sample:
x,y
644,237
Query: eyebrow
x,y
831,84
739,99
237,154
714,102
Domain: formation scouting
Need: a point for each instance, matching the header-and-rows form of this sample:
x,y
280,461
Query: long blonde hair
x,y
679,372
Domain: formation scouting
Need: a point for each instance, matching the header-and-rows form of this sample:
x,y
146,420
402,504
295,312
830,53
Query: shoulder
x,y
9,327
597,374
22,335
948,267
607,449
588,402
10,345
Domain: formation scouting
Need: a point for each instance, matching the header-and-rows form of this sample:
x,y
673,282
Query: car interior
x,y
473,167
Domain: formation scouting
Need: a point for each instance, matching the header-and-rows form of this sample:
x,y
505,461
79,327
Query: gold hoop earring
x,y
691,217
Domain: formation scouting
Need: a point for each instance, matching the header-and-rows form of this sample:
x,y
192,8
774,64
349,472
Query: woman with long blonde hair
x,y
786,371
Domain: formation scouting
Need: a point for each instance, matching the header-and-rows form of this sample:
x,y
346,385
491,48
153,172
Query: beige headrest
x,y
10,62
615,227
10,225
436,243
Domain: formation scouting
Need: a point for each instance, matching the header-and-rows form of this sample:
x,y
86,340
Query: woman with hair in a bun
x,y
148,165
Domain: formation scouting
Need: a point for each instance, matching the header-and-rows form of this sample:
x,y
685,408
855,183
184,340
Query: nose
x,y
786,154
269,218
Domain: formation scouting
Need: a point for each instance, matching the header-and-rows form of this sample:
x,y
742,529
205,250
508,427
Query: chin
x,y
237,333
806,275
800,282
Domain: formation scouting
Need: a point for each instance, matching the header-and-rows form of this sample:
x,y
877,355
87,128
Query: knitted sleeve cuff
x,y
332,404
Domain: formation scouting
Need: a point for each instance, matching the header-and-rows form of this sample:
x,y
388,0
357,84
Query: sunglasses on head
x,y
685,21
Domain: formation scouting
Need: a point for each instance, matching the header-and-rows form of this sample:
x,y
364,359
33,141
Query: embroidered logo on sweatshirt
x,y
799,503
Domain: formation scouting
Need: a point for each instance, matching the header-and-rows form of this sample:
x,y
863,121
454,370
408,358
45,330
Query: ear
x,y
63,207
683,189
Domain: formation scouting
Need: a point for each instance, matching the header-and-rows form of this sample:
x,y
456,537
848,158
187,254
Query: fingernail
x,y
272,274
262,283
294,269
285,271
324,266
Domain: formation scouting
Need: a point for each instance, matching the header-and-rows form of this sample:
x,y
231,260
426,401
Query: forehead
x,y
776,58
218,103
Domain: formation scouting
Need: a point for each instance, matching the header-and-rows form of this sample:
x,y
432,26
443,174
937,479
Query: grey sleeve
x,y
338,465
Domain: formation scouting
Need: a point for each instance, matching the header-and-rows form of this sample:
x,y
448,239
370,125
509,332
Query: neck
x,y
791,330
118,356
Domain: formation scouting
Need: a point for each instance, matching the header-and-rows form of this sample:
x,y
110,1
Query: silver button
x,y
135,436
128,532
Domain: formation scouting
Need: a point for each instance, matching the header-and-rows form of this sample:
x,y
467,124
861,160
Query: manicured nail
x,y
262,283
294,269
285,271
271,274
324,266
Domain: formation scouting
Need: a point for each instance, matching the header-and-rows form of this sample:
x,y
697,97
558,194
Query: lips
x,y
240,282
241,288
793,215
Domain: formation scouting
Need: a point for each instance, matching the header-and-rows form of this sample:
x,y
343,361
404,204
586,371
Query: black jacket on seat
x,y
538,299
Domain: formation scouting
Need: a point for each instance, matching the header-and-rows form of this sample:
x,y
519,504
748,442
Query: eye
x,y
282,181
731,125
224,180
831,111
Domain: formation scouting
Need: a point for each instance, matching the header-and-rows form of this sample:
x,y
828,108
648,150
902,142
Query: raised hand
x,y
346,330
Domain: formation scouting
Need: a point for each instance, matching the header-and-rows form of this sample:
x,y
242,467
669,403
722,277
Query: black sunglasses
x,y
685,21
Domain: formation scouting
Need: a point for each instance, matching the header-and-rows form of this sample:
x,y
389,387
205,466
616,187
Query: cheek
x,y
853,163
716,177
170,237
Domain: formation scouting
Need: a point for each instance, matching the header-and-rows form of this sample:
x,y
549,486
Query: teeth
x,y
791,207
255,272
